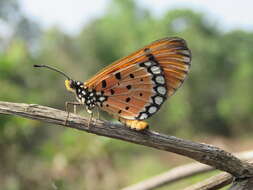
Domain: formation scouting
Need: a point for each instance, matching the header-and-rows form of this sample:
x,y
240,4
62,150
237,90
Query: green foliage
x,y
215,99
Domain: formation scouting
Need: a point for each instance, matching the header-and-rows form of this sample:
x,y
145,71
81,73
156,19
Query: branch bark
x,y
246,184
213,183
223,179
203,153
186,171
171,176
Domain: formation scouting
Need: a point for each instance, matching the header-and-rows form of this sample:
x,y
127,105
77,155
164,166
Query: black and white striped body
x,y
90,98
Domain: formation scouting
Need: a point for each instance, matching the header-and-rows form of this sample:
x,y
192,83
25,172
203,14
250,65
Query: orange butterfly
x,y
135,87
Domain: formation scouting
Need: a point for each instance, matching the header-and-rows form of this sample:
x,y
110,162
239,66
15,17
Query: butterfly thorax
x,y
84,95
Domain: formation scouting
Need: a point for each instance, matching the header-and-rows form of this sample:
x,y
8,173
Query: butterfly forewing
x,y
133,58
137,85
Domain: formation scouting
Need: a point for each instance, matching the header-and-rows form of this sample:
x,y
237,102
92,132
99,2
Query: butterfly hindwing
x,y
129,93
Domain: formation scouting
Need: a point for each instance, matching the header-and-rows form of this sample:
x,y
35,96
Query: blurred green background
x,y
214,105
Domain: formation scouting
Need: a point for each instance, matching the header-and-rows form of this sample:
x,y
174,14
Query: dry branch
x,y
188,170
246,184
203,153
213,183
223,179
172,175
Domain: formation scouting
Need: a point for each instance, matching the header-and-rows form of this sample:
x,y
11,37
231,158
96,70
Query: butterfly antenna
x,y
54,69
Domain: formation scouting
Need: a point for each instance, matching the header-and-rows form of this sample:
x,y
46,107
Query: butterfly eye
x,y
69,85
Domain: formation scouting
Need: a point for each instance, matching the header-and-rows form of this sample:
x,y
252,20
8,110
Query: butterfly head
x,y
83,94
78,88
72,85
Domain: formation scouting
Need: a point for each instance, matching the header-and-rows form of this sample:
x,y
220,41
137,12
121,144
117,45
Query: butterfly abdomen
x,y
134,124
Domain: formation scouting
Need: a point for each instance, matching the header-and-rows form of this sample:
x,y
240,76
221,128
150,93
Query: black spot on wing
x,y
151,57
142,64
112,91
118,76
103,83
131,75
129,87
146,50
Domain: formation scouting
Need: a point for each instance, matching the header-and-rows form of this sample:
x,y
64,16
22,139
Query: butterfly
x,y
134,88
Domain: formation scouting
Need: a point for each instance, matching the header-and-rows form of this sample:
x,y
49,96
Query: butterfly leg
x,y
134,124
98,114
74,109
90,118
67,110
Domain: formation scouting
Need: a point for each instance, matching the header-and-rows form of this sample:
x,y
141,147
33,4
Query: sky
x,y
72,15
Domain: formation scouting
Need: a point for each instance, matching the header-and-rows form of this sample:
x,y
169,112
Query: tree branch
x,y
221,180
213,183
246,184
203,153
185,171
170,176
